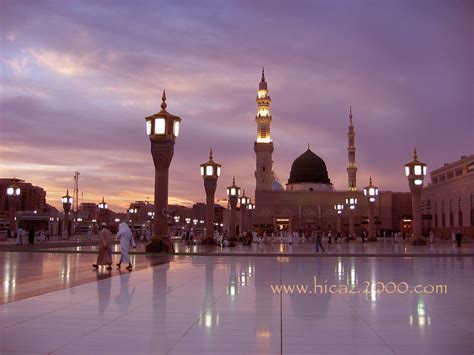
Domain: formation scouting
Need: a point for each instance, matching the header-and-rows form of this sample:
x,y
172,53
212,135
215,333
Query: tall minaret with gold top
x,y
263,146
351,150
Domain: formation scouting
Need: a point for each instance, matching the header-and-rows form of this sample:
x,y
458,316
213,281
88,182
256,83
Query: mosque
x,y
308,200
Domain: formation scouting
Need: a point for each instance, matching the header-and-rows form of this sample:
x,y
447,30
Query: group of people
x,y
127,241
21,233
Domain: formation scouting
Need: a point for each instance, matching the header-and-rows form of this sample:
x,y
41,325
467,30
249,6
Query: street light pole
x,y
371,192
339,208
416,172
233,193
67,203
162,129
244,200
351,202
210,171
13,193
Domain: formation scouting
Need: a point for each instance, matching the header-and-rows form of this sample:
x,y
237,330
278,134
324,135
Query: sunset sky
x,y
78,78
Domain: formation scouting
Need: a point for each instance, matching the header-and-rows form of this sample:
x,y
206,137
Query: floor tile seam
x,y
194,324
41,315
97,328
65,287
378,335
115,288
90,332
167,292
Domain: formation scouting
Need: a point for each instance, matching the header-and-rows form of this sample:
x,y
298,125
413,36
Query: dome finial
x,y
210,154
163,101
263,74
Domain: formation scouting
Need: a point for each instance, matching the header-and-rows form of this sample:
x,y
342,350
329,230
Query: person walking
x,y
458,238
126,240
105,248
319,238
31,236
432,236
362,236
329,237
20,233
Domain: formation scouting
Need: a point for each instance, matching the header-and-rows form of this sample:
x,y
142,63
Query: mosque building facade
x,y
307,202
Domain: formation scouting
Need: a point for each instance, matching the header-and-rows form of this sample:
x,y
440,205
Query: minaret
x,y
263,146
351,150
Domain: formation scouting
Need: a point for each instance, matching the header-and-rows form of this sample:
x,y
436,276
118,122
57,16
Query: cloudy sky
x,y
78,78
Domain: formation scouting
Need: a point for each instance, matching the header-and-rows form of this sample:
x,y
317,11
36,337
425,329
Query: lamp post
x,y
351,202
250,208
210,171
67,203
13,193
103,206
132,215
371,192
233,193
416,172
162,129
339,208
244,201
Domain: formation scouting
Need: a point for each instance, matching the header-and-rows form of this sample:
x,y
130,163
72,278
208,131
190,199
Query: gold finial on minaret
x,y
163,101
350,115
263,74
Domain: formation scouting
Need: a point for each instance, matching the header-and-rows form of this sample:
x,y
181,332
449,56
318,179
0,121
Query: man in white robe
x,y
126,241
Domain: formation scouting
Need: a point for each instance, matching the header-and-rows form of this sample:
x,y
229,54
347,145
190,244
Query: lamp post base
x,y
160,245
372,239
419,241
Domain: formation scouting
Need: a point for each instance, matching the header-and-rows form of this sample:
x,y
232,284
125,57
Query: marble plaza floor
x,y
233,305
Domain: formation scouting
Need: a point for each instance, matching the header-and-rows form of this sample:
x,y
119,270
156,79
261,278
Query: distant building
x,y
448,201
307,202
88,211
32,198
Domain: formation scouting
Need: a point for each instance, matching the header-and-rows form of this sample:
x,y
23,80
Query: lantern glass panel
x,y
176,128
209,170
202,171
418,182
218,171
148,127
160,126
17,191
372,191
365,192
417,169
424,170
232,192
10,191
407,170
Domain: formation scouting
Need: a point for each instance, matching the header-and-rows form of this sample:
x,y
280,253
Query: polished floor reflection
x,y
226,305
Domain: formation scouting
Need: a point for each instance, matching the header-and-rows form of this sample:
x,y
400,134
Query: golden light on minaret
x,y
263,146
263,117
